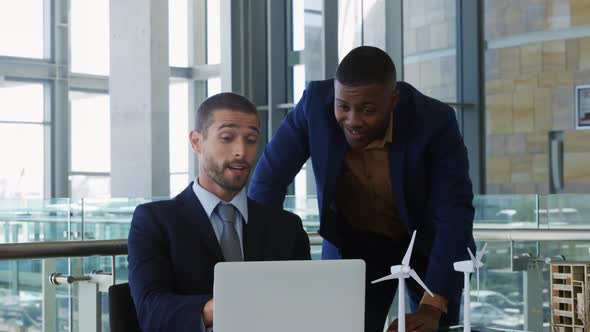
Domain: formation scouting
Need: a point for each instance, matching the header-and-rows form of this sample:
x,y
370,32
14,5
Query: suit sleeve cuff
x,y
436,301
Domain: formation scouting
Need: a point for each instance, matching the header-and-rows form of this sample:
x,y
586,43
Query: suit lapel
x,y
193,211
253,233
335,153
402,124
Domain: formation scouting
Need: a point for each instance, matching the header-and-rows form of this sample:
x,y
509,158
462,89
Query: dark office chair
x,y
122,316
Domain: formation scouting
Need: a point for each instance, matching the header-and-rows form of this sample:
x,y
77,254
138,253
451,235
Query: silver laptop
x,y
289,296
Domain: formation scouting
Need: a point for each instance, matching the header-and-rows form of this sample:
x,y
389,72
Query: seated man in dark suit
x,y
175,244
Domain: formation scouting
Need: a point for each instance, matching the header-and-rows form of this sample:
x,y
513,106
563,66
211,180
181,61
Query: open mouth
x,y
355,133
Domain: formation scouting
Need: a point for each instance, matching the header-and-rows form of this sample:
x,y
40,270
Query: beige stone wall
x,y
530,92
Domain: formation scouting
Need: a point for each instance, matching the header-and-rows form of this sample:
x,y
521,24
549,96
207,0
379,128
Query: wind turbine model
x,y
401,272
468,267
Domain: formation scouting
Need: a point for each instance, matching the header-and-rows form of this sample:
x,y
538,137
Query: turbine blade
x,y
472,257
389,277
408,255
414,275
482,252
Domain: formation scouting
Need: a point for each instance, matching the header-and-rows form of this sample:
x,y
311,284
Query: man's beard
x,y
215,172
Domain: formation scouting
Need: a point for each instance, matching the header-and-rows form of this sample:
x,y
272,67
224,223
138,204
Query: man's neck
x,y
216,190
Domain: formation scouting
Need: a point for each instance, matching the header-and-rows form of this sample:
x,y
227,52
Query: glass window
x,y
313,55
307,39
21,102
90,132
510,18
21,173
298,82
89,186
307,25
179,136
89,35
298,25
349,26
537,53
21,28
213,32
178,182
429,47
374,23
213,86
178,32
179,130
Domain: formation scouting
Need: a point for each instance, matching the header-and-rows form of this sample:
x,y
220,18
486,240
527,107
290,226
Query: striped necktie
x,y
229,239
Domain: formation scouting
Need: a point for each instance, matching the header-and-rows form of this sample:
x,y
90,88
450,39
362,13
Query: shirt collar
x,y
210,201
387,139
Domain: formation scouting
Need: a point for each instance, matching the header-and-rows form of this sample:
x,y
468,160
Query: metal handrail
x,y
39,250
525,234
533,234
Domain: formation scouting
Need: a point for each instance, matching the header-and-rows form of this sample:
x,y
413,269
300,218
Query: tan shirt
x,y
364,192
365,196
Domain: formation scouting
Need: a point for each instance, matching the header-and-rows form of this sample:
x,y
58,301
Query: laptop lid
x,y
289,296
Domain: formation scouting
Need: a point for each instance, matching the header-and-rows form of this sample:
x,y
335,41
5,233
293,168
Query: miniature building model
x,y
570,296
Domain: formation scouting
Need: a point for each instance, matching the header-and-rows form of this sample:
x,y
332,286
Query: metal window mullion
x,y
197,55
330,38
205,72
26,69
43,123
256,80
394,34
47,140
276,62
89,83
293,58
470,80
232,46
60,129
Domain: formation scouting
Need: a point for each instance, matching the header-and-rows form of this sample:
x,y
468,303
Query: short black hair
x,y
366,65
226,101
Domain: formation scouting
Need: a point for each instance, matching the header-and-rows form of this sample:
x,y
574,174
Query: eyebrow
x,y
234,126
364,103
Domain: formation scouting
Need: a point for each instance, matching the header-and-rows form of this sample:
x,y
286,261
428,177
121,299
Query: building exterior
x,y
570,296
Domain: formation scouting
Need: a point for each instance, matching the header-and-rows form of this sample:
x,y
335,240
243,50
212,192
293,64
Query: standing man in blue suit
x,y
387,160
175,244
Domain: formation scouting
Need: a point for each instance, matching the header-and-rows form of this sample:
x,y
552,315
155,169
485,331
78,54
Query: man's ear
x,y
196,139
395,98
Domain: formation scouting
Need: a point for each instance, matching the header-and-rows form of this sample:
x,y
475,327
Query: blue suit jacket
x,y
428,169
173,250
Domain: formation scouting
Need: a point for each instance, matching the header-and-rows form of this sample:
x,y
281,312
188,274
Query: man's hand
x,y
207,314
424,320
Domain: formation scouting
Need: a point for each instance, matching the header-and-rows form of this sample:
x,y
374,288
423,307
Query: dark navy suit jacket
x,y
428,169
173,250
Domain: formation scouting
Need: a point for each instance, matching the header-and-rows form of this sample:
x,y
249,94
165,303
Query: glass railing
x,y
503,289
501,302
34,220
565,211
23,301
107,219
506,210
100,219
